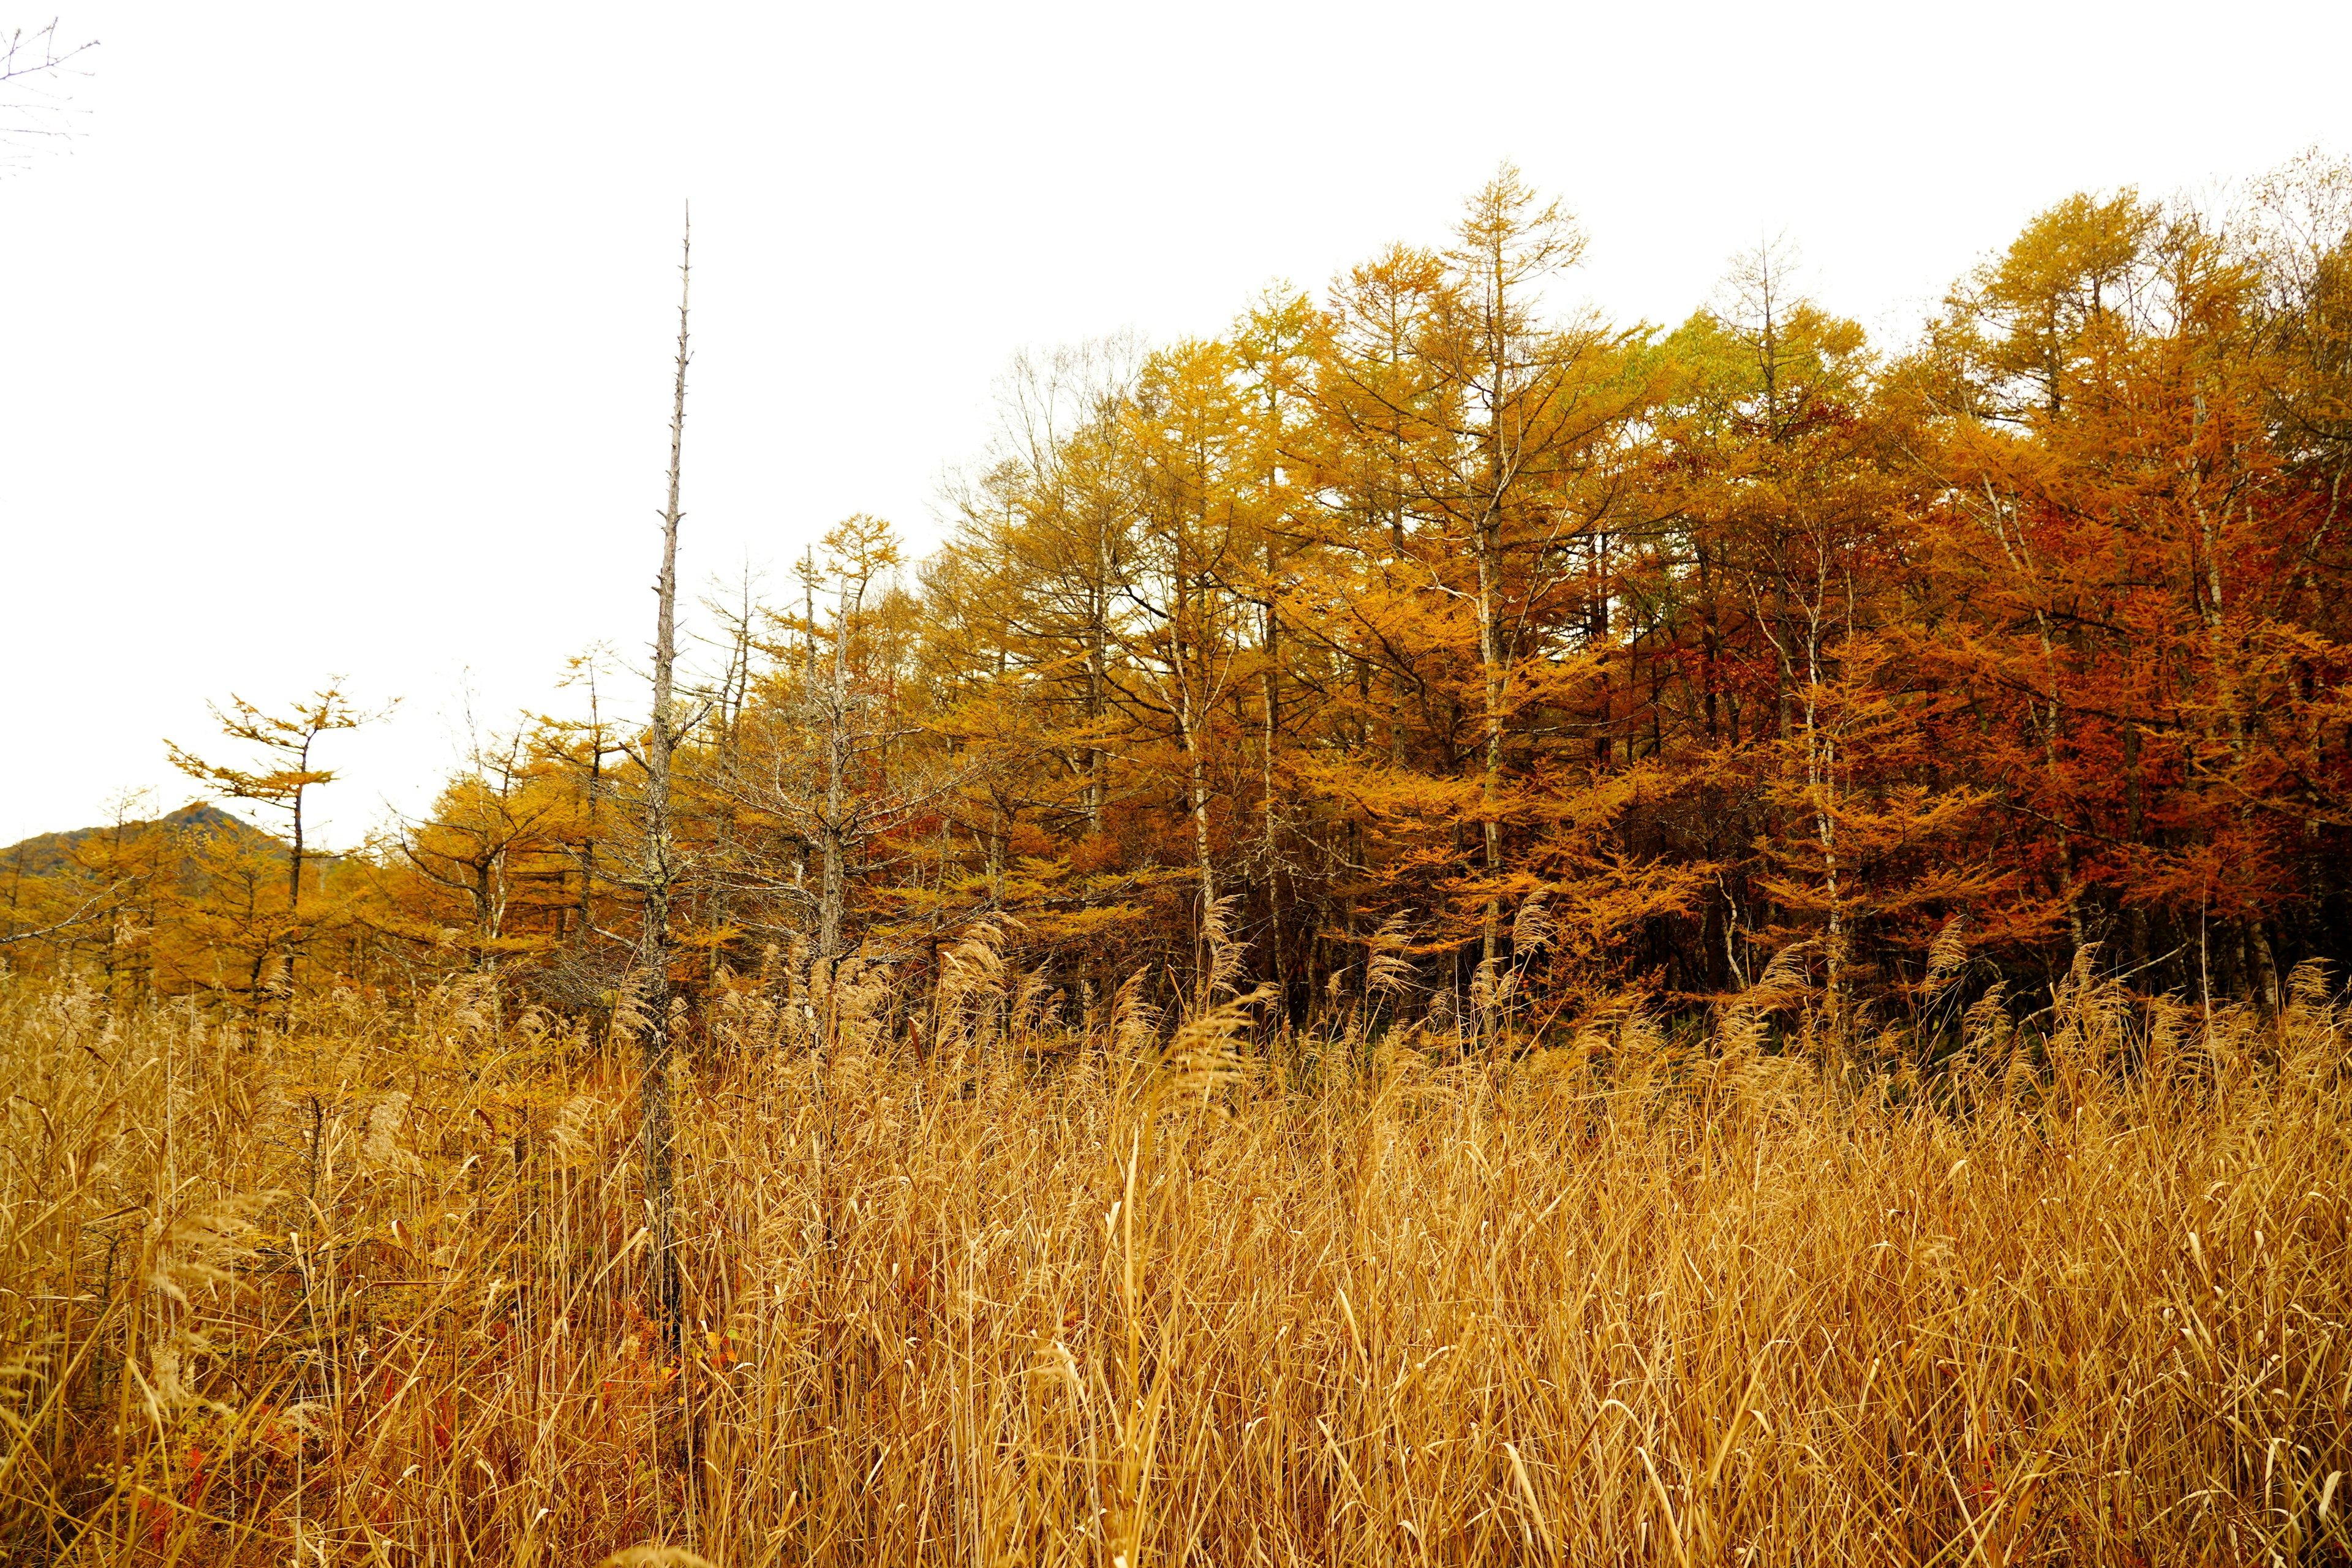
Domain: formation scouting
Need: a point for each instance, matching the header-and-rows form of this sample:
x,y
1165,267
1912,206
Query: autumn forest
x,y
1404,625
1440,930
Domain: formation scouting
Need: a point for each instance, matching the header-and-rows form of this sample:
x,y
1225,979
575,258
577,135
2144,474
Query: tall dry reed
x,y
972,1284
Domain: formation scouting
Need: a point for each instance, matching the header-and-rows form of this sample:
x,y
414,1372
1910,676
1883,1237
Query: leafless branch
x,y
32,109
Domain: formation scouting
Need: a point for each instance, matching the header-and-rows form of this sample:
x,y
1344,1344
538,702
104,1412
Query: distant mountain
x,y
46,854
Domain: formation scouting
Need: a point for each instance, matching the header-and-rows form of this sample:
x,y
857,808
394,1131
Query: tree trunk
x,y
1490,655
294,860
1098,673
659,876
833,831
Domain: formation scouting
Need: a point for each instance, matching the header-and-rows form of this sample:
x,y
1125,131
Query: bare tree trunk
x,y
1273,727
1189,722
659,874
294,861
1489,543
1820,766
808,616
1490,655
833,831
1272,740
1192,714
1192,706
1495,687
1098,672
594,786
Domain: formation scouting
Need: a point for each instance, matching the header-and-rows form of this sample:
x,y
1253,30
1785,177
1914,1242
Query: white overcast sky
x,y
337,342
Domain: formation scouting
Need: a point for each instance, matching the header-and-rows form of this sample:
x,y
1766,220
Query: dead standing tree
x,y
659,872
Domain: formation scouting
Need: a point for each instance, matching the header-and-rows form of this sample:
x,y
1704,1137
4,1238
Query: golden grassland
x,y
368,1286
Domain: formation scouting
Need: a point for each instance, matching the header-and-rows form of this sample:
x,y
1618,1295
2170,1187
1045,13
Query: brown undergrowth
x,y
998,1287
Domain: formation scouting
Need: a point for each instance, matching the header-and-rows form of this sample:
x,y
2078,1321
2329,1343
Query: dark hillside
x,y
48,853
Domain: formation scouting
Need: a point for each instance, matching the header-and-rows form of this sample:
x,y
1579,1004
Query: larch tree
x,y
283,784
288,743
1501,430
1184,642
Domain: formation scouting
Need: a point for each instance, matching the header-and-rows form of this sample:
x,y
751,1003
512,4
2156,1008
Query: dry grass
x,y
366,1294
